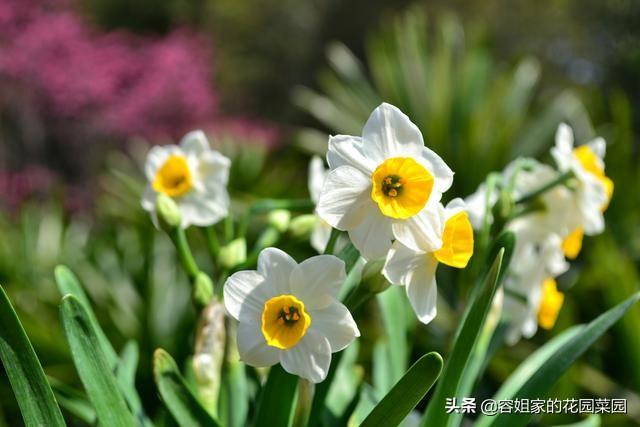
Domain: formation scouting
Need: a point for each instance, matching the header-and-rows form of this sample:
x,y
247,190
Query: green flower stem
x,y
559,180
228,229
212,241
179,239
306,391
333,238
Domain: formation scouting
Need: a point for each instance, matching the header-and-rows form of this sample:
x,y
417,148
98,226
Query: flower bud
x,y
372,277
279,219
168,211
302,225
234,253
202,289
209,354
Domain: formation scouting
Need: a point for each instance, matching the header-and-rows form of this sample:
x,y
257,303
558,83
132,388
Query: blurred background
x,y
87,86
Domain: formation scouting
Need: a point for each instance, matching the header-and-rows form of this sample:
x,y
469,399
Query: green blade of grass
x,y
33,393
91,363
406,393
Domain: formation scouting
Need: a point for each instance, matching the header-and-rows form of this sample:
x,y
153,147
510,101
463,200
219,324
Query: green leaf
x,y
592,420
464,344
91,363
275,408
407,393
33,393
73,401
176,395
531,384
125,366
68,284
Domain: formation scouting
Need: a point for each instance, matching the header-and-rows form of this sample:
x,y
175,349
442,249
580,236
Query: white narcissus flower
x,y
191,173
531,295
416,270
593,188
384,185
555,212
322,230
288,313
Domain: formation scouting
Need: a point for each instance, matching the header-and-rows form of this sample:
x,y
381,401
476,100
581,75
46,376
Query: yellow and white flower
x,y
531,295
384,185
416,270
193,175
555,212
593,188
322,230
289,314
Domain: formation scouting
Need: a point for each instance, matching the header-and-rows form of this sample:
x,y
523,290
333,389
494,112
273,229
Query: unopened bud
x,y
209,354
372,277
202,289
302,225
168,211
279,219
233,253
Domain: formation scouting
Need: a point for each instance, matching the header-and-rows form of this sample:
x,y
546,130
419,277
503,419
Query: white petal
x,y
599,148
442,174
253,347
309,359
372,237
562,152
336,324
203,208
422,232
345,197
320,235
402,263
318,279
276,267
345,150
390,133
195,143
317,175
454,206
422,290
564,138
148,200
213,169
245,293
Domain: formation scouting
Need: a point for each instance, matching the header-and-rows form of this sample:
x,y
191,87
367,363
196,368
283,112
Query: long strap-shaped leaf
x,y
277,399
34,395
463,347
68,284
535,384
176,395
91,363
407,393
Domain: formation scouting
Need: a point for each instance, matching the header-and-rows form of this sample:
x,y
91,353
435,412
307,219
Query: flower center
x,y
457,241
284,321
174,177
401,187
572,244
592,164
550,304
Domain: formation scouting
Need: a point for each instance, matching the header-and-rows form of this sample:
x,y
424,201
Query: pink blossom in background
x,y
18,186
247,130
117,83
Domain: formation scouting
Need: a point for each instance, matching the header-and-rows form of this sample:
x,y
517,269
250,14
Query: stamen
x,y
392,185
